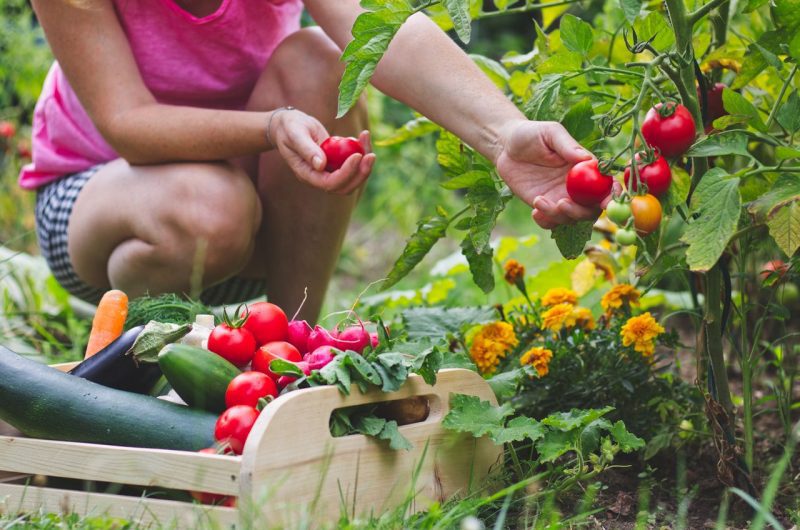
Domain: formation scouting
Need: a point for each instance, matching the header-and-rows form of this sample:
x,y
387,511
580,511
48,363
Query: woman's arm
x,y
426,70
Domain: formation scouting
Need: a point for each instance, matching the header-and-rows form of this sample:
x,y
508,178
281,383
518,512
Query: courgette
x,y
200,377
45,403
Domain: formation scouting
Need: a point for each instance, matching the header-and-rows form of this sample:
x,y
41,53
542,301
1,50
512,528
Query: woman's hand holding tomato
x,y
534,159
297,137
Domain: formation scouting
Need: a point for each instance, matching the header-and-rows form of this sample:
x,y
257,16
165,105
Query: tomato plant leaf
x,y
716,206
480,264
543,102
465,180
736,103
487,203
631,9
470,414
794,47
493,70
789,114
502,5
429,230
725,143
411,130
450,154
518,429
442,322
779,208
578,119
571,239
461,17
563,61
576,34
655,26
786,14
753,5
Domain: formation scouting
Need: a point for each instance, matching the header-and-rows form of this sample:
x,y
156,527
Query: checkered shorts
x,y
54,204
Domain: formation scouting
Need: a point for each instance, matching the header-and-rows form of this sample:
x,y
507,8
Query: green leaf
x,y
518,429
284,367
789,113
753,5
631,9
542,105
396,440
716,205
794,47
460,15
555,444
466,180
578,119
154,337
493,70
487,203
561,62
470,414
779,208
571,239
373,30
392,369
627,441
574,419
381,429
480,264
576,34
450,154
736,104
655,26
429,231
725,143
416,128
441,322
786,153
786,14
520,82
502,5
504,384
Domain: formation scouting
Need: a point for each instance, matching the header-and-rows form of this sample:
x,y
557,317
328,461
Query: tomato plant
x,y
338,149
647,213
669,127
653,171
586,185
619,212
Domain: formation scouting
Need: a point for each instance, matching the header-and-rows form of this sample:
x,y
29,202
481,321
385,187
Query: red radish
x,y
374,339
285,380
354,338
271,351
267,322
321,337
320,357
297,335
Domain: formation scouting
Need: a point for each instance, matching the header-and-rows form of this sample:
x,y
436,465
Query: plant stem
x,y
712,322
774,112
523,9
703,10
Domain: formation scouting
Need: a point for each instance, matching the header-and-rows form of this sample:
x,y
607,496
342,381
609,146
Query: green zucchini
x,y
200,377
43,402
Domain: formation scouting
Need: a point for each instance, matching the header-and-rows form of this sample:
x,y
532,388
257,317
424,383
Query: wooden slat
x,y
282,478
123,465
168,514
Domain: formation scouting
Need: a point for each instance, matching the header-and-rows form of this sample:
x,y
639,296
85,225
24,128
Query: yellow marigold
x,y
559,295
515,271
539,358
618,295
641,332
583,318
491,344
557,317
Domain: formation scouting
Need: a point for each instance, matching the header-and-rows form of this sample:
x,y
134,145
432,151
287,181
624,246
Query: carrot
x,y
108,322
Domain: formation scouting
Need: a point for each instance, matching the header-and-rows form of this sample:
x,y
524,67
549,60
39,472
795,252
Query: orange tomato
x,y
646,213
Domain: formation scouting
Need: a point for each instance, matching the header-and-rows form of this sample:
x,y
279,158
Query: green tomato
x,y
619,212
626,237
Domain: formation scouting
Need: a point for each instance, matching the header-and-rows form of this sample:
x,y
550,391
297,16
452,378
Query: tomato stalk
x,y
774,111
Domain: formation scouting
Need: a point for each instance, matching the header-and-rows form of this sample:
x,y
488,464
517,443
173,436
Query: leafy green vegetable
x,y
165,308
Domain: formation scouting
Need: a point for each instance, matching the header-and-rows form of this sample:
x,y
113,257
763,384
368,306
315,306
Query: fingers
x,y
549,214
563,144
616,189
365,139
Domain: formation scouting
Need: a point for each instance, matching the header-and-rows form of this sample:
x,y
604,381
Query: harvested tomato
x,y
656,175
338,149
7,129
267,322
271,351
646,213
586,185
669,127
248,387
211,498
232,342
619,212
234,425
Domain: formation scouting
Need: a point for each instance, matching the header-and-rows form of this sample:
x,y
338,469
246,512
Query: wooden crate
x,y
292,470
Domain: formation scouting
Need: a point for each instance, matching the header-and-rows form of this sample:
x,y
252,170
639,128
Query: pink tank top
x,y
210,62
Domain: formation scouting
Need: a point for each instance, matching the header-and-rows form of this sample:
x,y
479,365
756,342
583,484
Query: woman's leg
x,y
148,228
303,228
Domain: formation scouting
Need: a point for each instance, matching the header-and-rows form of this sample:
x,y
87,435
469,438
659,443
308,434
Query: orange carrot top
x,y
109,320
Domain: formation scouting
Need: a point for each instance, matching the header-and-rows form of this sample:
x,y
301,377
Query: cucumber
x,y
43,402
200,377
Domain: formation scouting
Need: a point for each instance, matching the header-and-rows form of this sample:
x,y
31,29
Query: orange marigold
x,y
515,271
559,295
641,332
491,344
557,317
583,318
539,358
618,295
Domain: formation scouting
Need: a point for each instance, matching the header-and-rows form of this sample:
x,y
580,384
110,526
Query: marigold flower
x,y
641,332
491,344
619,295
557,317
559,295
583,318
515,271
539,358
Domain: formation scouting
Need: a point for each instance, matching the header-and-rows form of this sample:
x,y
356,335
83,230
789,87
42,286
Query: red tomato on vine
x,y
586,185
670,128
656,175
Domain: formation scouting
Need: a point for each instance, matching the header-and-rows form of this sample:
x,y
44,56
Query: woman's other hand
x,y
298,136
